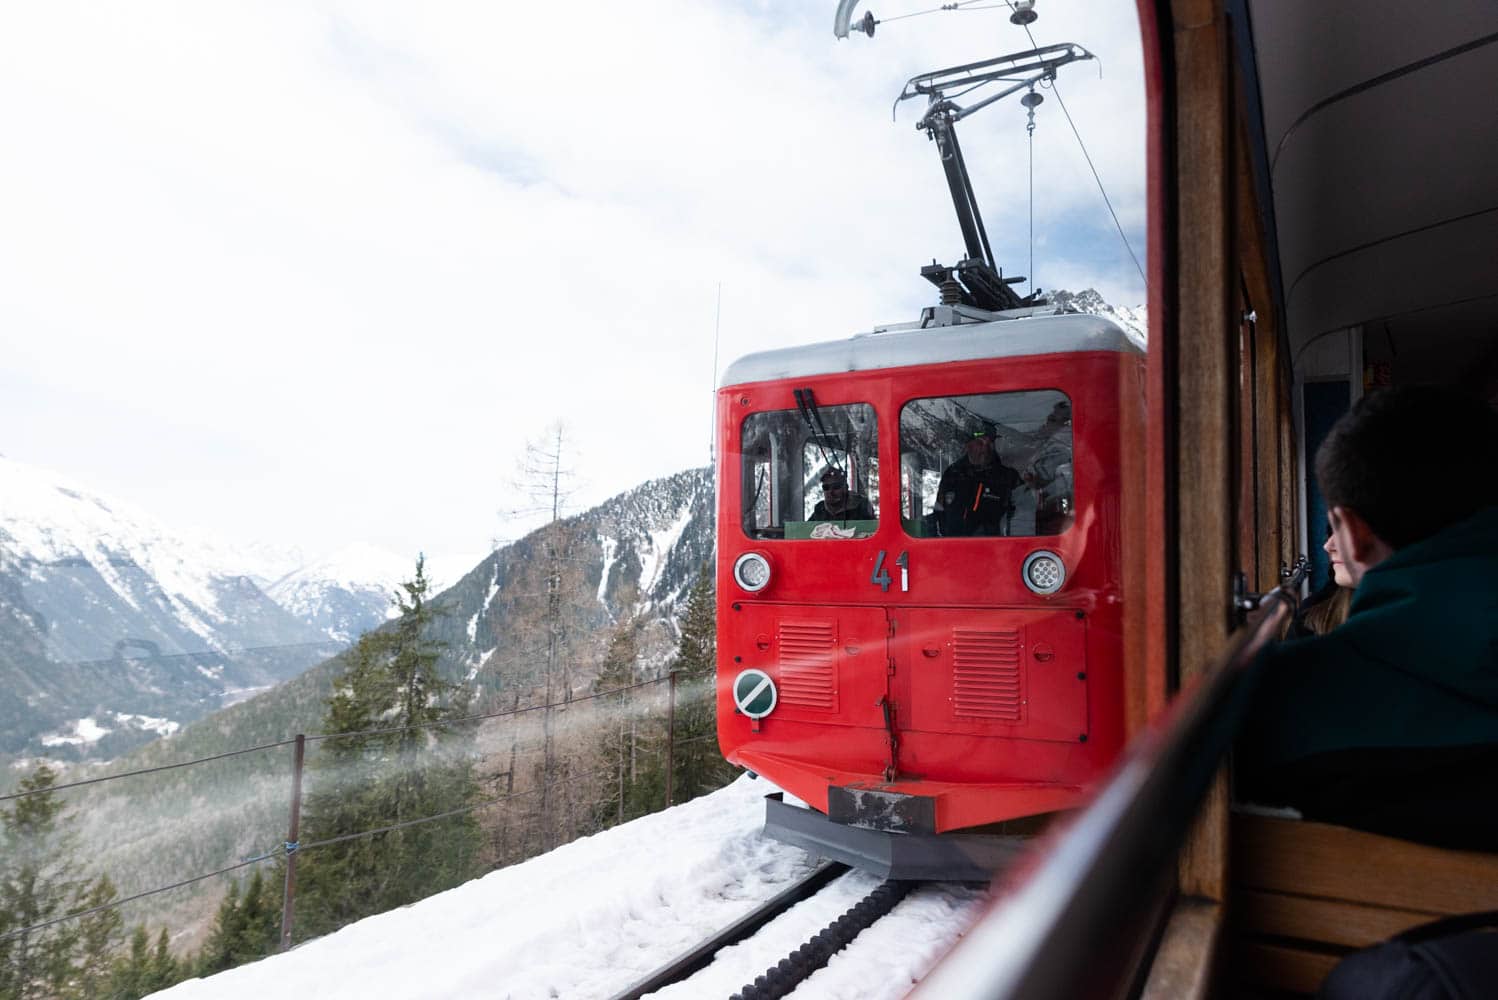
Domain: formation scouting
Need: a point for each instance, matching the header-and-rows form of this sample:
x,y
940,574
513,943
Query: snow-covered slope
x,y
593,917
344,594
634,556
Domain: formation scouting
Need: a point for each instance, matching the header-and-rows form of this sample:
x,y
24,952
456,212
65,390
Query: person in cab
x,y
975,495
1049,472
1389,723
837,503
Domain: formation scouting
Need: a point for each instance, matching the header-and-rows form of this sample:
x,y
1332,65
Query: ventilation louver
x,y
986,674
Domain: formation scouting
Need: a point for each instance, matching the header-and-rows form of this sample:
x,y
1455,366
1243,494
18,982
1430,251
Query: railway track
x,y
785,975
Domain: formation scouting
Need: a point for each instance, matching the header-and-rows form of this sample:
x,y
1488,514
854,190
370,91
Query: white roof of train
x,y
1007,338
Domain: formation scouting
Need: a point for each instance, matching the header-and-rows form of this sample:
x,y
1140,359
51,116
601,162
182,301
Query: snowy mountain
x,y
344,594
115,629
1134,319
636,554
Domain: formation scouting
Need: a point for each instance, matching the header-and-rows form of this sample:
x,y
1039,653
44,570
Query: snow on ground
x,y
593,917
79,731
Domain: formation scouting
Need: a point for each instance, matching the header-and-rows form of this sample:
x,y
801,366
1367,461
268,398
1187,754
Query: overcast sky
x,y
312,272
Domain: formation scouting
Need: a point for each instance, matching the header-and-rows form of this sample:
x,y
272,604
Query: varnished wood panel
x,y
1353,925
1182,967
1333,862
1204,388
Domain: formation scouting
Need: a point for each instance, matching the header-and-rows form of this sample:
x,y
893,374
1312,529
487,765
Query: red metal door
x,y
1018,674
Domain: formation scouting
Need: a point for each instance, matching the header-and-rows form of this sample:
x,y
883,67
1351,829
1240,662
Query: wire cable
x,y
130,899
933,10
1090,166
145,770
487,715
1106,201
313,737
285,849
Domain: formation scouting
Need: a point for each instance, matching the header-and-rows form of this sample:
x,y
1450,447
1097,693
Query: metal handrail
x,y
1080,914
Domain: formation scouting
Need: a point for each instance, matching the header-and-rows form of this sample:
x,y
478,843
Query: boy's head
x,y
1402,465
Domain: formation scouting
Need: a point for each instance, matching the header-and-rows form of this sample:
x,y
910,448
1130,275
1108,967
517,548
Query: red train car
x,y
919,575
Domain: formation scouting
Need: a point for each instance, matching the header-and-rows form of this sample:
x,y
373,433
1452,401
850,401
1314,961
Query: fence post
x,y
288,894
670,734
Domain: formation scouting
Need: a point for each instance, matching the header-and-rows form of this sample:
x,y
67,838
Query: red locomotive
x,y
920,555
919,569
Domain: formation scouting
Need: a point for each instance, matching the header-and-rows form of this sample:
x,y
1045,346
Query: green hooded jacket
x,y
1415,664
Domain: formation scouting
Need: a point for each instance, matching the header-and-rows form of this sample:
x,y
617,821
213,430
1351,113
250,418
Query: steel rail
x,y
700,956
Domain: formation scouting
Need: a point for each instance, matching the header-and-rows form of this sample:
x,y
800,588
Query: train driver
x,y
975,496
837,503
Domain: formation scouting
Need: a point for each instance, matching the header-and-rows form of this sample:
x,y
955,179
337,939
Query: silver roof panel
x,y
1008,338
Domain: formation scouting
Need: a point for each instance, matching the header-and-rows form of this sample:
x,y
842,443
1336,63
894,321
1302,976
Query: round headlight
x,y
1044,572
752,572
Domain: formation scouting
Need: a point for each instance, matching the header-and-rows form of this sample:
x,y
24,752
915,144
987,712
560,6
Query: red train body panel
x,y
908,658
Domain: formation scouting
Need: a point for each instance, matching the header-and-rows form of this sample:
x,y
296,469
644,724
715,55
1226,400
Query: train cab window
x,y
811,474
987,465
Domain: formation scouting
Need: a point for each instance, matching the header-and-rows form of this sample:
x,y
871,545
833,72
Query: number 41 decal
x,y
881,578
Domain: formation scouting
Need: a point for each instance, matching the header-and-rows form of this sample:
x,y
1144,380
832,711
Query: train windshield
x,y
811,473
987,465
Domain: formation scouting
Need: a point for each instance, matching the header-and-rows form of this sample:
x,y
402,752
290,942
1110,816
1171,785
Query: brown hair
x,y
1323,616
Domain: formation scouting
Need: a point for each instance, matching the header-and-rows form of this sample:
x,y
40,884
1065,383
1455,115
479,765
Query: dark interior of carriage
x,y
1378,152
1376,163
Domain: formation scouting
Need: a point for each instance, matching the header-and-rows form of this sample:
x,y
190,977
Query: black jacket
x,y
975,500
856,509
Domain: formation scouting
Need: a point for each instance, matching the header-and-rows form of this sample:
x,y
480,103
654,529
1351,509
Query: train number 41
x,y
881,578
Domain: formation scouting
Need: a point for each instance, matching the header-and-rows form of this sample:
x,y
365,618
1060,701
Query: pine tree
x,y
409,770
97,933
247,927
217,953
697,764
41,881
132,972
163,969
258,927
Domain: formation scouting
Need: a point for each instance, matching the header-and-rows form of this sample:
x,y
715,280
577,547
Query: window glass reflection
x,y
811,473
998,464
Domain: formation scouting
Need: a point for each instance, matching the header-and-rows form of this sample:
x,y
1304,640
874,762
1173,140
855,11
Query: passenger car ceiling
x,y
1380,121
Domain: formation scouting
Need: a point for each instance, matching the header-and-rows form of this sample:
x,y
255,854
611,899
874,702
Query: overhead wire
x,y
960,5
1088,157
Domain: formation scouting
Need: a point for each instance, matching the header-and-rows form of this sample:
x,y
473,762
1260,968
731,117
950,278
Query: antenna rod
x,y
712,434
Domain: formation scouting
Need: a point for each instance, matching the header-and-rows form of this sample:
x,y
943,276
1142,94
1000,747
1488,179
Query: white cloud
x,y
315,271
